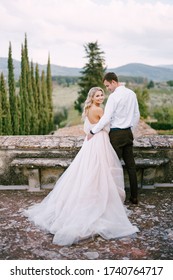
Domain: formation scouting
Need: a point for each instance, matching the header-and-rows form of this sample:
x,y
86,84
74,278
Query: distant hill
x,y
167,66
4,67
155,73
55,69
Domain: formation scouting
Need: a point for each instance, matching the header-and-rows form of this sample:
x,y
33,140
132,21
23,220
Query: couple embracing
x,y
88,199
122,113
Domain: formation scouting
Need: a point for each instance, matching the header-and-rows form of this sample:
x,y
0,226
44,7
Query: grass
x,y
165,132
65,97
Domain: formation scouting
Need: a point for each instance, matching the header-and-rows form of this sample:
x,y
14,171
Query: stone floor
x,y
19,239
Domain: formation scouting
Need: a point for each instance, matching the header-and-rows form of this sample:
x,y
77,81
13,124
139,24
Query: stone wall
x,y
57,152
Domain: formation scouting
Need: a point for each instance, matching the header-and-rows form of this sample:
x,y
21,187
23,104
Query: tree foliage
x,y
92,73
143,97
164,114
150,84
170,83
12,94
6,127
28,110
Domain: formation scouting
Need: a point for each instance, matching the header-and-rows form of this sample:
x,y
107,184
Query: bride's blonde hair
x,y
88,101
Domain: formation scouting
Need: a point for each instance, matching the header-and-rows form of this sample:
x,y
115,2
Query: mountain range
x,y
155,73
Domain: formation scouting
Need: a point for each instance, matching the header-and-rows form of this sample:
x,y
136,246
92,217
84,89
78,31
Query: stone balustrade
x,y
35,162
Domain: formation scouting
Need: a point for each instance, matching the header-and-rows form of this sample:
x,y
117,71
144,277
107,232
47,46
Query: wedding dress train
x,y
88,198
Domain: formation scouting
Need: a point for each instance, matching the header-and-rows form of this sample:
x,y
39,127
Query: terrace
x,y
19,188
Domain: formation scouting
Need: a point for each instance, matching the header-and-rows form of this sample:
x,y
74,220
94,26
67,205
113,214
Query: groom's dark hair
x,y
110,76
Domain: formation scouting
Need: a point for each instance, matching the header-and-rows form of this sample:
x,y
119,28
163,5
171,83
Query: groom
x,y
122,112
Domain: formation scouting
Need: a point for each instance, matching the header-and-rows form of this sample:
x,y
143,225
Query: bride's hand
x,y
89,136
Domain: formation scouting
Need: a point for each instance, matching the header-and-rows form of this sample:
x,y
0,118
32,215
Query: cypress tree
x,y
35,101
28,93
33,125
0,110
21,106
30,96
37,90
31,110
49,96
40,100
45,107
30,106
25,106
6,116
22,89
12,94
92,73
26,52
19,112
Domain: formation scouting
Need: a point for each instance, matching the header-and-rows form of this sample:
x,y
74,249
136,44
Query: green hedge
x,y
161,126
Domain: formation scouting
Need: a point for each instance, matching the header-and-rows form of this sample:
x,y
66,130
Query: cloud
x,y
127,31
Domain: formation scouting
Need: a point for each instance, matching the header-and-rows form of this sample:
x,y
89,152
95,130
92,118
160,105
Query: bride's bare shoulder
x,y
96,109
99,111
94,114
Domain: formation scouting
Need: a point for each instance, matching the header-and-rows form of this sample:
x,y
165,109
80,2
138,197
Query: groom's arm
x,y
105,119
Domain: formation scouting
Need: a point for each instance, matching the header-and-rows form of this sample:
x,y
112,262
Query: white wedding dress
x,y
88,198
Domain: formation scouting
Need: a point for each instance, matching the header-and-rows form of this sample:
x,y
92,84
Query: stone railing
x,y
35,162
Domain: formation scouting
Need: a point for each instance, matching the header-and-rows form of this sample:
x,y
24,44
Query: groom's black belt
x,y
117,128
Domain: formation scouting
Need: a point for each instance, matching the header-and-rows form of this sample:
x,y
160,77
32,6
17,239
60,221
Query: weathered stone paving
x,y
19,239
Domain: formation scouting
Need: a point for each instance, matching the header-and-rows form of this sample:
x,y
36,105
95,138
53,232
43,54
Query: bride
x,y
88,198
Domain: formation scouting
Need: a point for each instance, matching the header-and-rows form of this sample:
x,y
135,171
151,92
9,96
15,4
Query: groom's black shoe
x,y
133,200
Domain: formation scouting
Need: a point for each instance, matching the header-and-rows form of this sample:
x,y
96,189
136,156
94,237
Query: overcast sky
x,y
126,30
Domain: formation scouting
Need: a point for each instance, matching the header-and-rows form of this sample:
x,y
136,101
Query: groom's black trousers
x,y
122,142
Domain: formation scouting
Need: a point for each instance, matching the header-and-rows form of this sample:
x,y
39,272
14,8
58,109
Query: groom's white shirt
x,y
121,110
